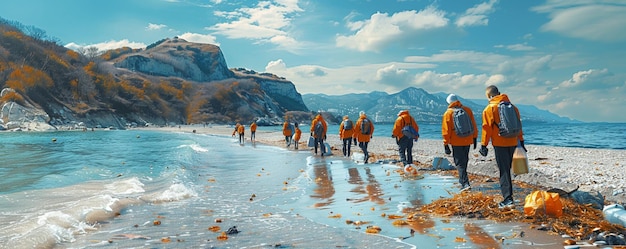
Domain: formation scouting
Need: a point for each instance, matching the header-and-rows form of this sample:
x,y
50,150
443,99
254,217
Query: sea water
x,y
150,189
581,135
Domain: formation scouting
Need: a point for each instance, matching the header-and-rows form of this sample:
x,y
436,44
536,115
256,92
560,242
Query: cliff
x,y
46,86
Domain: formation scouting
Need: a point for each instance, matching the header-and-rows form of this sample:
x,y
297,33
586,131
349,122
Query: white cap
x,y
451,98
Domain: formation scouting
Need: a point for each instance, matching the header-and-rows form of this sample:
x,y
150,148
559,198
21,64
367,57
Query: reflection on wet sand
x,y
479,237
372,189
325,189
374,192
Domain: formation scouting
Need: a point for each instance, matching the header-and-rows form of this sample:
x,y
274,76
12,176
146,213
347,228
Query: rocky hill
x,y
46,86
424,106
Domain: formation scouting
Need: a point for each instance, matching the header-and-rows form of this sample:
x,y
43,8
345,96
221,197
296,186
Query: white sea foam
x,y
194,147
125,187
175,192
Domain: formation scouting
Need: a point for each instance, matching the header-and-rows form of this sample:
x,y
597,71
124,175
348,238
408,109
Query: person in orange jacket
x,y
241,130
296,137
405,142
346,129
253,131
460,145
287,132
504,147
319,133
236,129
363,130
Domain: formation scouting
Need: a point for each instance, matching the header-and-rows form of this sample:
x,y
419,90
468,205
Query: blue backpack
x,y
319,130
409,131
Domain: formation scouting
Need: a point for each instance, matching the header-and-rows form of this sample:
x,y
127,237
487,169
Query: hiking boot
x,y
506,204
466,187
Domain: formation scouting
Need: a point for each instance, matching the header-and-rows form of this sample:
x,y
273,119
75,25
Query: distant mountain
x,y
424,106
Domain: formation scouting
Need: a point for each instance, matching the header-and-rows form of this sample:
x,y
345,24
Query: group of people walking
x,y
501,126
240,131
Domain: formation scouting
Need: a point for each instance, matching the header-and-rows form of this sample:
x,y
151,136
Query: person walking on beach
x,y
404,138
241,130
287,132
346,129
504,146
458,128
318,131
236,129
296,137
363,130
253,131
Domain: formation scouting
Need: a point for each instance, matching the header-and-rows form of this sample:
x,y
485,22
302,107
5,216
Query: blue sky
x,y
566,56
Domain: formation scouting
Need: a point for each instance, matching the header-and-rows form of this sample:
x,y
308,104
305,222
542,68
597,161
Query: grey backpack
x,y
510,124
462,122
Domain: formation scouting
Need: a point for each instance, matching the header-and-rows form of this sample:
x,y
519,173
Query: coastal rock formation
x,y
178,58
14,116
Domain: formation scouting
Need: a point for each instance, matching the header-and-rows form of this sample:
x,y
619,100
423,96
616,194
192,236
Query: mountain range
x,y
423,106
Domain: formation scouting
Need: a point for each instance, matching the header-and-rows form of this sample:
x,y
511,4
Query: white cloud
x,y
152,26
589,95
199,38
589,20
517,47
392,75
536,65
592,79
382,29
355,79
477,15
109,45
268,21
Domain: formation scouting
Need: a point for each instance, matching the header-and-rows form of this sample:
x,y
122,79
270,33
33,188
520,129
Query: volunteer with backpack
x,y
404,136
458,128
363,131
253,131
241,130
502,126
318,131
345,134
288,131
296,137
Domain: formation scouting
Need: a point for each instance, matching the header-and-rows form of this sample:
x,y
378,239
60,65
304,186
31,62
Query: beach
x,y
591,170
165,186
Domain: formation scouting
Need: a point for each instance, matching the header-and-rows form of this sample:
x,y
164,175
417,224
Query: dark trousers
x,y
347,143
406,150
363,146
288,140
504,158
242,138
320,142
252,135
461,158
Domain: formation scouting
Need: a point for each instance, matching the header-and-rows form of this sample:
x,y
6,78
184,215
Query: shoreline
x,y
590,170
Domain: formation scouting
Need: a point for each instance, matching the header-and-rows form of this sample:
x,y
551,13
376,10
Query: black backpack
x,y
510,124
462,122
365,126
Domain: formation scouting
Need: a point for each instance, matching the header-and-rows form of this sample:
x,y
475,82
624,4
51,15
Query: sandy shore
x,y
592,170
